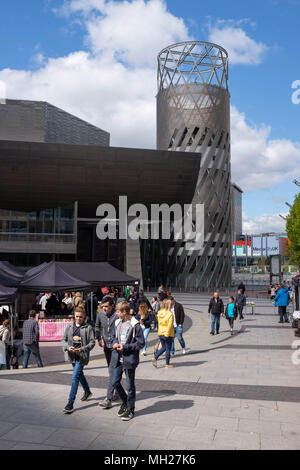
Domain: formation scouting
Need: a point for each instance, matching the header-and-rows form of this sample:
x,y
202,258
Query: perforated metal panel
x,y
193,116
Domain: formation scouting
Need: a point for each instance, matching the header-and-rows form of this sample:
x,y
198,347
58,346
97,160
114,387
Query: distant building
x,y
39,121
237,217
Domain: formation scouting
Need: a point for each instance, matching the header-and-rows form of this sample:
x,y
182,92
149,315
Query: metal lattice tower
x,y
193,116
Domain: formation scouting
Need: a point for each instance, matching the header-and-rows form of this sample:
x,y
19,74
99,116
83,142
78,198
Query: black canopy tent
x,y
7,297
53,278
31,272
9,275
100,274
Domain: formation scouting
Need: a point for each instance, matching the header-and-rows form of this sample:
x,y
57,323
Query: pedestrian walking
x,y
78,341
215,308
156,305
273,292
242,286
127,343
5,335
31,340
240,301
165,332
145,318
105,333
282,299
178,315
143,299
231,312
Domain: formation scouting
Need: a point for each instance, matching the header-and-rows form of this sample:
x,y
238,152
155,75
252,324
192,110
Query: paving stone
x,y
270,428
193,436
6,444
113,442
138,429
250,412
238,440
217,422
72,438
278,443
29,433
30,446
279,416
5,426
161,444
290,430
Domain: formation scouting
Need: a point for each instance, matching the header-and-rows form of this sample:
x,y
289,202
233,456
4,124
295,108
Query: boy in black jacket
x,y
127,343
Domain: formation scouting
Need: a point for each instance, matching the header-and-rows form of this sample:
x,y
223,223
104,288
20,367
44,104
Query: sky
x,y
97,59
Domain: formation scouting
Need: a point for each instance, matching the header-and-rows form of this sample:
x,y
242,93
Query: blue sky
x,y
35,31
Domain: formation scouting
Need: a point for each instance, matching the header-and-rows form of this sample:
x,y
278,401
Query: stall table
x,y
53,329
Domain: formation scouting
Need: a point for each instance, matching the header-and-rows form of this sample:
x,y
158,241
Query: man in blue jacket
x,y
127,343
281,301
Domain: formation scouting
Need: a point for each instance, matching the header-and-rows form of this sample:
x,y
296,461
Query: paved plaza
x,y
227,392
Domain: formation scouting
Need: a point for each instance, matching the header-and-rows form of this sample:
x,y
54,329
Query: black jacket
x,y
216,308
105,327
179,313
147,320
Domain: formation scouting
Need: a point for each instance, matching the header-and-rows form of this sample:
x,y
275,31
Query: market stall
x,y
7,298
52,278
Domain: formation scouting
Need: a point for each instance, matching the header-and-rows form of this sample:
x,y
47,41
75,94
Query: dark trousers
x,y
34,349
240,310
110,388
231,321
282,313
166,343
127,398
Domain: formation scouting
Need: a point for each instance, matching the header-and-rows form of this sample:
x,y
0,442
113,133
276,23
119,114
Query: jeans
x,y
77,377
7,358
215,320
110,388
178,332
127,398
34,349
166,343
282,313
240,310
146,332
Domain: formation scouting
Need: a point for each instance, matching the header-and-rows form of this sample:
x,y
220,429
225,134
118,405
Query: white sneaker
x,y
143,353
183,351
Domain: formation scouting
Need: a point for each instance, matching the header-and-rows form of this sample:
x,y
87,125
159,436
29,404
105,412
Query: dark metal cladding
x,y
193,115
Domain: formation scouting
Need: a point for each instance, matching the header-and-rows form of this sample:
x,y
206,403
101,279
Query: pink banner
x,y
52,331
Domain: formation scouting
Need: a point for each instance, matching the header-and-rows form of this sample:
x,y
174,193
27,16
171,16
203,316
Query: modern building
x,y
193,115
39,121
57,169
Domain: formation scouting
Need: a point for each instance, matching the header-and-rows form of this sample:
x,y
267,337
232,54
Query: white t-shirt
x,y
174,318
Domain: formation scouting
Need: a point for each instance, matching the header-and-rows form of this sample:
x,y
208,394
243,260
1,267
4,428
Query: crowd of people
x,y
121,322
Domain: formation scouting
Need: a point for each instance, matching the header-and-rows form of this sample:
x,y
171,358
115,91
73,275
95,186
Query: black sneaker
x,y
68,408
122,410
128,415
211,333
86,395
217,333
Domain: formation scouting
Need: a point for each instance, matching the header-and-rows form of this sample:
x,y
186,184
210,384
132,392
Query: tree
x,y
293,232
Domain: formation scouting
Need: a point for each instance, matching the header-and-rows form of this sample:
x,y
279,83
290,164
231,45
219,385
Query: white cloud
x,y
114,85
240,47
257,161
265,223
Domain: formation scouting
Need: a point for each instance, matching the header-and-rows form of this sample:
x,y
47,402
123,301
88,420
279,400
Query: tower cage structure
x,y
193,115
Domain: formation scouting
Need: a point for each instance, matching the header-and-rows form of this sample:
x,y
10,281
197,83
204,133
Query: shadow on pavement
x,y
166,405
